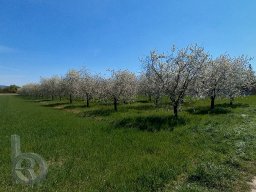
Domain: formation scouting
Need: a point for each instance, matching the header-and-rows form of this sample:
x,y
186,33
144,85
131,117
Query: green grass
x,y
138,148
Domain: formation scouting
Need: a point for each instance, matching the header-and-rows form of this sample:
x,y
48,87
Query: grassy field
x,y
139,148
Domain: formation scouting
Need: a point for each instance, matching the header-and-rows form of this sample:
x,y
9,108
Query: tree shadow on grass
x,y
109,111
206,110
143,101
151,123
223,108
235,105
36,100
74,106
142,107
55,104
98,112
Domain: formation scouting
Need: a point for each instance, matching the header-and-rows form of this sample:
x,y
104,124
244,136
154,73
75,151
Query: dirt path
x,y
253,184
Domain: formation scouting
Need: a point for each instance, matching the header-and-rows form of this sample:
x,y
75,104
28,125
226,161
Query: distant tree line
x,y
189,72
9,89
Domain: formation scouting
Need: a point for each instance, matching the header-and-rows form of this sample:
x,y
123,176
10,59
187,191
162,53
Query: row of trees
x,y
9,89
120,87
182,73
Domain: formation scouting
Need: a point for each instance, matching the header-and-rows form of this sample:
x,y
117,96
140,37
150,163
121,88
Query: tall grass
x,y
138,148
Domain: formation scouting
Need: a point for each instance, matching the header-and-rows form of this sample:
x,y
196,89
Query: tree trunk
x,y
87,100
115,104
157,101
52,97
150,98
212,102
175,110
70,99
231,101
60,98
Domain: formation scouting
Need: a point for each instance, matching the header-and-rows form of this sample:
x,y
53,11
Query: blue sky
x,y
48,37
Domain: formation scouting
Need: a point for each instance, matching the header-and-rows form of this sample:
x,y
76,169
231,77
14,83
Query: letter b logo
x,y
27,168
